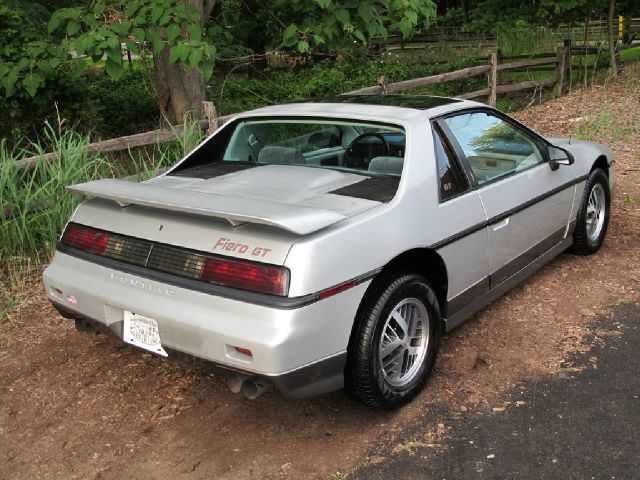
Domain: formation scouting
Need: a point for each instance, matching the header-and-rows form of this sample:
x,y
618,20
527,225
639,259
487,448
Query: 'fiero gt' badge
x,y
227,245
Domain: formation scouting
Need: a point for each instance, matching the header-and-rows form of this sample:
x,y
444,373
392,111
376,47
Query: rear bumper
x,y
301,351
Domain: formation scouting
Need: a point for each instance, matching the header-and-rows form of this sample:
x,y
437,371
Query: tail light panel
x,y
219,270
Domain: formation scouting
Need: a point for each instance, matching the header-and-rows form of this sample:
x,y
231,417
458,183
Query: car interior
x,y
365,148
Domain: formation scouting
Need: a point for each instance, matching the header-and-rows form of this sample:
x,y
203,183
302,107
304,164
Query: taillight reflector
x,y
85,239
340,288
248,276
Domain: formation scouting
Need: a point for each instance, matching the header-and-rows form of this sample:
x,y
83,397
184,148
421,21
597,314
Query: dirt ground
x,y
75,406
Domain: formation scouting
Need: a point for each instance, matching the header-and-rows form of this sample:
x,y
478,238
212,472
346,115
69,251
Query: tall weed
x,y
35,205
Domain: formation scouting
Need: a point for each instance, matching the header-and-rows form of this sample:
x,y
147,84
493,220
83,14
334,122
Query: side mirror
x,y
559,156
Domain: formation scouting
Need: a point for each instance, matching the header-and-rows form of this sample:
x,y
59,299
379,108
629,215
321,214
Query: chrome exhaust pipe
x,y
235,381
253,387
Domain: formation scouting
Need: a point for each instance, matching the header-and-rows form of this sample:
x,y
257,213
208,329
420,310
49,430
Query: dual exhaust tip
x,y
251,387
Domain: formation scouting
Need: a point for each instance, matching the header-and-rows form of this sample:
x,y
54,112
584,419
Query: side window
x,y
451,180
493,147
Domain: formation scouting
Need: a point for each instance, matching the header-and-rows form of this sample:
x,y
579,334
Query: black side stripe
x,y
498,218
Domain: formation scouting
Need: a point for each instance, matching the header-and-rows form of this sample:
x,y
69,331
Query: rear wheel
x,y
395,342
593,215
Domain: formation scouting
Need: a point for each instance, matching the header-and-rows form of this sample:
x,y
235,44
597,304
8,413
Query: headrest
x,y
386,165
276,155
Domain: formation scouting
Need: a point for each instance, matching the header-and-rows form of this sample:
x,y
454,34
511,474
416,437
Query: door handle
x,y
501,224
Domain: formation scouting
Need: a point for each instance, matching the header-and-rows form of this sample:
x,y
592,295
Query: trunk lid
x,y
255,214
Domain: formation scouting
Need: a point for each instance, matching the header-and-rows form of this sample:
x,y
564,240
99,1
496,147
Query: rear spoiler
x,y
298,219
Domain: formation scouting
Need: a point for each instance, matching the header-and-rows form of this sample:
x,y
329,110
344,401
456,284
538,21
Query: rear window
x,y
360,147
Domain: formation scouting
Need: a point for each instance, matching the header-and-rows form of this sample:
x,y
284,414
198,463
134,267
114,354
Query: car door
x,y
462,219
527,200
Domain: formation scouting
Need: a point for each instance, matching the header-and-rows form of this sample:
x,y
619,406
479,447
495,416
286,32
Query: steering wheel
x,y
359,156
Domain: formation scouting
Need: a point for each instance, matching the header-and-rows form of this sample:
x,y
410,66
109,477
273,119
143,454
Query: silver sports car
x,y
329,244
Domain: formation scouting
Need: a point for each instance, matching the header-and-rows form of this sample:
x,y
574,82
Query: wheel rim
x,y
403,342
596,212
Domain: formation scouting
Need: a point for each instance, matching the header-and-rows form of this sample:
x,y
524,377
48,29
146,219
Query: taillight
x,y
248,276
85,239
184,263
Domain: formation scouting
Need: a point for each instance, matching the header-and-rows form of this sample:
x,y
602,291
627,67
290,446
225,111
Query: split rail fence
x,y
559,61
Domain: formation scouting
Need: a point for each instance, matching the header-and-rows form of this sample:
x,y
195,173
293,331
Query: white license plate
x,y
142,332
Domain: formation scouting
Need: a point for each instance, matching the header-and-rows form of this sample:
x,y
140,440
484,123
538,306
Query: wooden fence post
x,y
493,79
212,116
382,83
566,53
563,67
559,70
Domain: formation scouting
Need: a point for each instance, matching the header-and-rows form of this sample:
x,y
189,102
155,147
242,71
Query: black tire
x,y
364,375
583,242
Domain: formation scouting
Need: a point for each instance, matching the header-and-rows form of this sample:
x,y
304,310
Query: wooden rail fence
x,y
559,61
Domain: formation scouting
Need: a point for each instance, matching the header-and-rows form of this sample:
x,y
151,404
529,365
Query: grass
x,y
40,204
613,121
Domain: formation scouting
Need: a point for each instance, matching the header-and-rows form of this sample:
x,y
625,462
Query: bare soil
x,y
76,406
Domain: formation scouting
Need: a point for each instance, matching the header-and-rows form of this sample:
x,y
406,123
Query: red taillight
x,y
247,276
85,239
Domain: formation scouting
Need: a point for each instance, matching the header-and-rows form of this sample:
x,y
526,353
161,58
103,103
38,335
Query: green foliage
x,y
160,23
28,59
321,24
327,78
113,108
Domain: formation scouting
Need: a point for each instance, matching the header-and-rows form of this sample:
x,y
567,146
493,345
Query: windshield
x,y
360,147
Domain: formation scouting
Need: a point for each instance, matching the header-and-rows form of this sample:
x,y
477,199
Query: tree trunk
x,y
465,11
612,38
180,90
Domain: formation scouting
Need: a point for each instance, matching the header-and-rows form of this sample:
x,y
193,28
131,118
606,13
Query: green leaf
x,y
207,70
358,34
364,10
194,57
114,69
156,40
329,21
78,66
172,32
31,83
303,46
115,54
184,49
156,13
54,23
342,15
174,54
195,31
73,27
318,39
323,3
138,34
411,16
122,29
9,83
289,36
98,8
405,27
45,68
112,42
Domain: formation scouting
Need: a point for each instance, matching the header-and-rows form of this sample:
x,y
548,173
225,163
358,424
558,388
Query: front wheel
x,y
394,343
593,215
